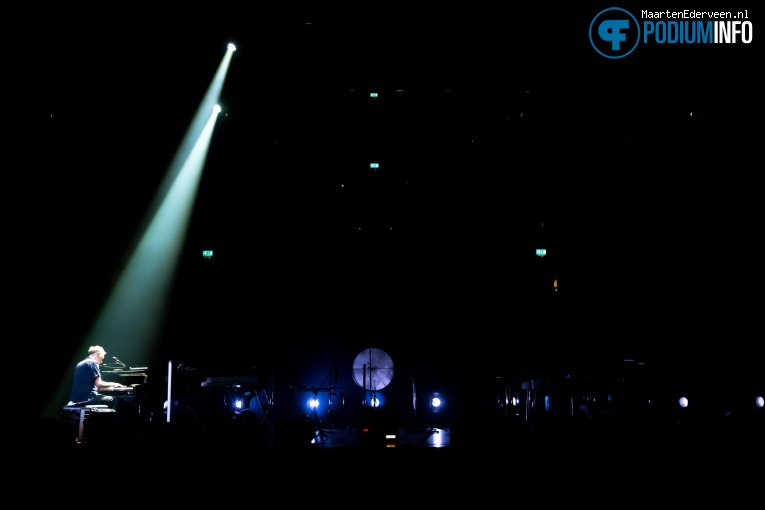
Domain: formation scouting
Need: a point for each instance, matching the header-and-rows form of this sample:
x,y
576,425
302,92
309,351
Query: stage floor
x,y
403,438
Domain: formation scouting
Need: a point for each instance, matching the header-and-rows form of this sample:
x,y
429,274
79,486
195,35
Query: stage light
x,y
131,316
683,402
760,401
313,403
436,402
231,47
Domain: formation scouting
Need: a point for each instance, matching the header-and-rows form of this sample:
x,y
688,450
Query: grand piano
x,y
137,403
129,376
134,380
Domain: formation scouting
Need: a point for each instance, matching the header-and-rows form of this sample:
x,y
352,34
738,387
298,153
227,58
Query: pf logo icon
x,y
614,33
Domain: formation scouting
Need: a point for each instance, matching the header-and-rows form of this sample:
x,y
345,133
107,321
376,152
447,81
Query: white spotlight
x,y
231,47
216,108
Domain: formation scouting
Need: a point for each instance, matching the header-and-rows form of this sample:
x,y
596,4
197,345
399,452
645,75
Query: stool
x,y
80,413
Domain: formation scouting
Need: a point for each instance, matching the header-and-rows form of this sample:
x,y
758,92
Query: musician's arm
x,y
103,385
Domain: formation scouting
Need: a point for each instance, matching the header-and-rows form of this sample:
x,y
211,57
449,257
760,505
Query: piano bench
x,y
79,413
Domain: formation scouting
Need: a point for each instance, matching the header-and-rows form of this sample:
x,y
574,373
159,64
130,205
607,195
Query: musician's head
x,y
97,353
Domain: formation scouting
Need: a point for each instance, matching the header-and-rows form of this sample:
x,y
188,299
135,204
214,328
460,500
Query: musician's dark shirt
x,y
84,385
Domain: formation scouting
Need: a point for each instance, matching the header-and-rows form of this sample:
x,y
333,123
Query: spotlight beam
x,y
132,315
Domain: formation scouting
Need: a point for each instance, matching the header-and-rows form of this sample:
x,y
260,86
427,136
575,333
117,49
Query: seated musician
x,y
87,381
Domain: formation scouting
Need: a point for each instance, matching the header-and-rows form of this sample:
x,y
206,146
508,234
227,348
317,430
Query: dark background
x,y
650,216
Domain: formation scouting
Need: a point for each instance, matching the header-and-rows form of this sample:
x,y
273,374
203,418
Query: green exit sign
x,y
374,165
373,94
207,253
541,252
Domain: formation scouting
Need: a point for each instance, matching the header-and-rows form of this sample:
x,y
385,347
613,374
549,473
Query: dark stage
x,y
380,248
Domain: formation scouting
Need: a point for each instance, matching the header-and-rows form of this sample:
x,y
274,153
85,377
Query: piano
x,y
136,399
126,393
127,376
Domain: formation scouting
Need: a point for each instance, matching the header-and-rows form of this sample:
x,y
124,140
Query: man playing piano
x,y
87,381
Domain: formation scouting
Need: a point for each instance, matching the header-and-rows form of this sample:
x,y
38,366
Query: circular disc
x,y
373,369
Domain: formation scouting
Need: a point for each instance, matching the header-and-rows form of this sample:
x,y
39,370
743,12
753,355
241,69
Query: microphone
x,y
118,361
